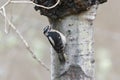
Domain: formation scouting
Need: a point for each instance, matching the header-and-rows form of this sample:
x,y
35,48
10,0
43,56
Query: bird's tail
x,y
61,58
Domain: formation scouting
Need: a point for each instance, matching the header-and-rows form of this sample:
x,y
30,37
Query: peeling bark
x,y
79,48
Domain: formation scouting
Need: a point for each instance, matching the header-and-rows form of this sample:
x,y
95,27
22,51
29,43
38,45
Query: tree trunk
x,y
79,50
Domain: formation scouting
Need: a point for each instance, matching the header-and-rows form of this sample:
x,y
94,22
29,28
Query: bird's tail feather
x,y
61,58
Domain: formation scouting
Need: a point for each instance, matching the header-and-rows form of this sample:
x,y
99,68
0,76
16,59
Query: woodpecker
x,y
57,40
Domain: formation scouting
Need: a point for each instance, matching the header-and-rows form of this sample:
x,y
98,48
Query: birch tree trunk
x,y
78,30
79,50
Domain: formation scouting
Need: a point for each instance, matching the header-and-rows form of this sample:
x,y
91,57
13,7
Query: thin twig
x,y
4,12
30,2
24,41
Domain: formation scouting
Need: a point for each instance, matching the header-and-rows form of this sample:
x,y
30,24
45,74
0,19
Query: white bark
x,y
79,48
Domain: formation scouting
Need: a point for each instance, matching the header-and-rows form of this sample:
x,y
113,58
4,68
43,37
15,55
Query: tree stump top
x,y
65,7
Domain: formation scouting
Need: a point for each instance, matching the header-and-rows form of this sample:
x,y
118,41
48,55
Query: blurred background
x,y
16,63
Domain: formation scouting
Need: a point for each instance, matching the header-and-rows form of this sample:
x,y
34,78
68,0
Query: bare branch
x,y
23,40
4,13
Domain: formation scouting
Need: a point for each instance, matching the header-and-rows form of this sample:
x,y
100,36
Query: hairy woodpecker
x,y
57,40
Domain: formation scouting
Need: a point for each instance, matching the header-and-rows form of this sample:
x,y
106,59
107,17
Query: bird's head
x,y
46,30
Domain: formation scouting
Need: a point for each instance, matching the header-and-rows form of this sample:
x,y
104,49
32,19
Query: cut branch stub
x,y
65,7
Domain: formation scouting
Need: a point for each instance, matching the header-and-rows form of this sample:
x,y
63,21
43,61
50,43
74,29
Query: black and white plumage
x,y
57,40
